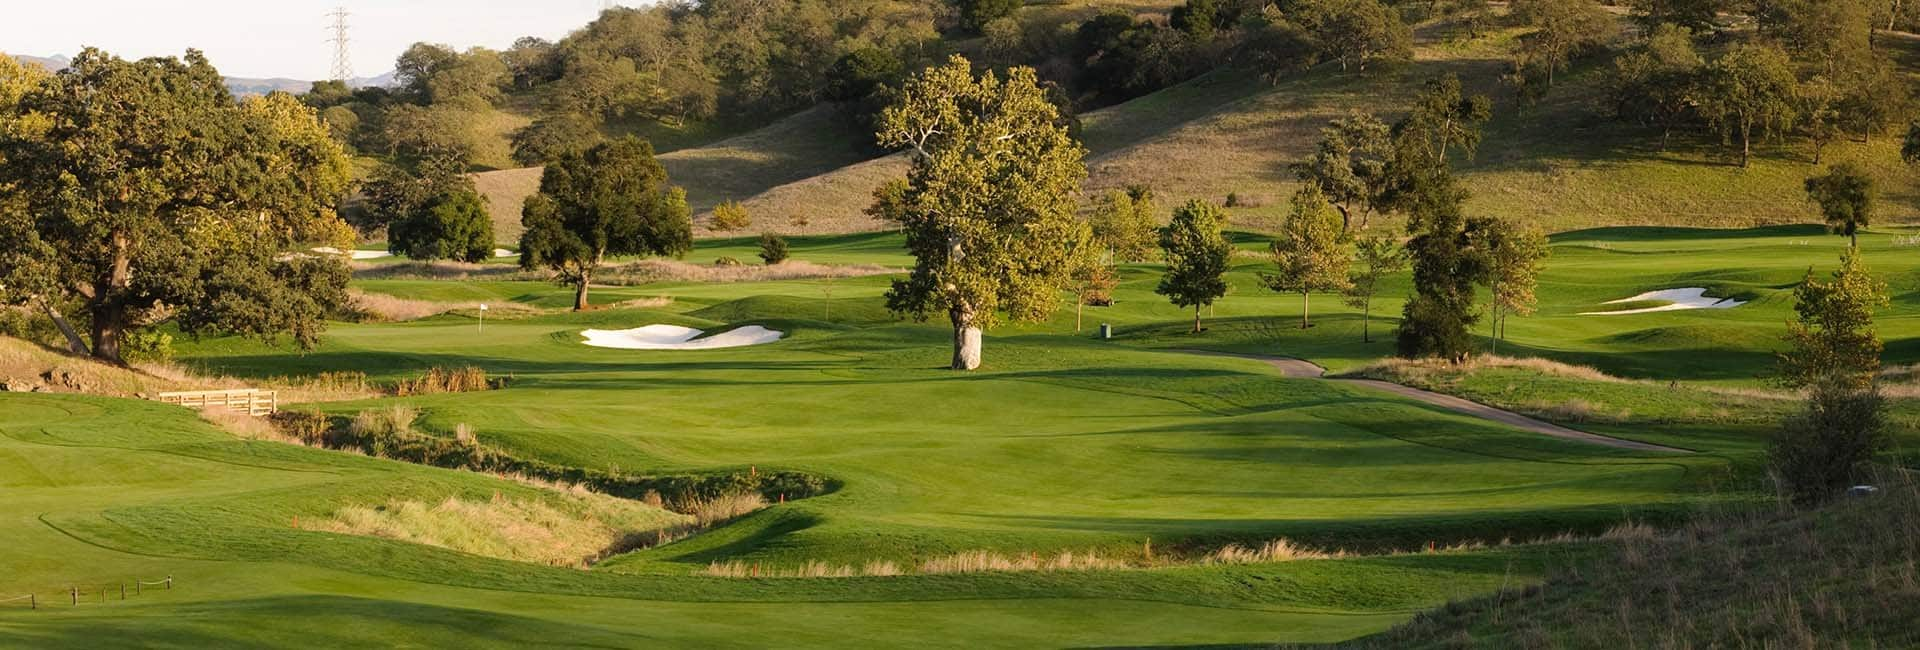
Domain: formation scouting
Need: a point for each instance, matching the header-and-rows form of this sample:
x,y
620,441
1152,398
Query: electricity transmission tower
x,y
342,64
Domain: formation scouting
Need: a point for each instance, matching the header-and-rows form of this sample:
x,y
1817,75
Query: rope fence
x,y
92,593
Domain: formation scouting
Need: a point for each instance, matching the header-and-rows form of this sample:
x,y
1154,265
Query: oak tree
x,y
612,199
989,203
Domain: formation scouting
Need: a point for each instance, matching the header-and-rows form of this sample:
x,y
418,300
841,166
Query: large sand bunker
x,y
1676,299
674,337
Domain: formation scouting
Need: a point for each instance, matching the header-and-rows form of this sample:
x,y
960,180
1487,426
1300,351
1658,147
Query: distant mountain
x,y
238,85
52,63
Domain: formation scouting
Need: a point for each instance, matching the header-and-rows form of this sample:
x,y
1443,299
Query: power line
x,y
342,63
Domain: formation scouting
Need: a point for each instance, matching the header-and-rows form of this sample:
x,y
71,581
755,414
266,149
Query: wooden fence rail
x,y
250,401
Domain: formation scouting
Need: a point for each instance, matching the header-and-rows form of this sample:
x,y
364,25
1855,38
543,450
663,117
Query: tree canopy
x,y
1197,257
989,203
161,194
612,199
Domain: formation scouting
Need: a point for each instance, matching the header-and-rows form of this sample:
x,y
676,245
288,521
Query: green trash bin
x,y
1106,331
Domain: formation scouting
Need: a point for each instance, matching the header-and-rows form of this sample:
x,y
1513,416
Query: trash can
x,y
1106,331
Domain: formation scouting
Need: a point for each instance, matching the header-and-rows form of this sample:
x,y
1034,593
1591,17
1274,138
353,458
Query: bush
x,y
773,249
148,345
730,216
727,261
1821,450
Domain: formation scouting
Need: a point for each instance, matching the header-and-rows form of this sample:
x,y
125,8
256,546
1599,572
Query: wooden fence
x,y
251,401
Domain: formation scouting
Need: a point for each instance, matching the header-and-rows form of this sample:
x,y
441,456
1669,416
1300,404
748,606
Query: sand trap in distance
x,y
1677,299
674,337
358,255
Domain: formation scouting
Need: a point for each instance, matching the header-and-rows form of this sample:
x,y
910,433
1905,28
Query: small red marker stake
x,y
783,497
296,521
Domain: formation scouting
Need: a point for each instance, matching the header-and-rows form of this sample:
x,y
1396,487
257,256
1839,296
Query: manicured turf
x,y
1064,442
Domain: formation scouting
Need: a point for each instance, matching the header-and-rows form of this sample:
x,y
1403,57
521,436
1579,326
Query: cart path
x,y
1303,369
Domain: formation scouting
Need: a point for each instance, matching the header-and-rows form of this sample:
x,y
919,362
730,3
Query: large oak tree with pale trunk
x,y
988,206
150,193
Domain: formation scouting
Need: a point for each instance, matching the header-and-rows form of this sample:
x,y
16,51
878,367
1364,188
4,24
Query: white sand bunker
x,y
674,337
501,252
358,255
1676,299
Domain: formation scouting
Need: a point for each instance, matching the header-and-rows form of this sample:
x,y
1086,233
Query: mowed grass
x,y
1064,443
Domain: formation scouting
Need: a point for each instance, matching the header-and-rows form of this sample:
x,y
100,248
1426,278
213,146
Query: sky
x,y
281,38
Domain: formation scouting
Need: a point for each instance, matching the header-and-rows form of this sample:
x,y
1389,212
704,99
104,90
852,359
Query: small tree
x,y
975,14
1197,257
989,202
1563,28
1832,337
1514,255
1845,195
1311,251
730,216
1379,256
1124,222
1349,165
1750,89
1821,450
773,249
1834,352
453,226
612,199
1356,32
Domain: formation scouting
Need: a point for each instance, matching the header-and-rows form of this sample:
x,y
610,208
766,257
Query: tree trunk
x,y
74,342
109,307
108,327
1306,302
1746,145
580,291
1079,305
1196,319
1366,319
966,339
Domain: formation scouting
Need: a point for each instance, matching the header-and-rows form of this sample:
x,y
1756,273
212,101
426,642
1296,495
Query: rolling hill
x,y
1230,132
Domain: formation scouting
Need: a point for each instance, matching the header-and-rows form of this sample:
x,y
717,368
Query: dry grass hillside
x,y
806,144
1556,163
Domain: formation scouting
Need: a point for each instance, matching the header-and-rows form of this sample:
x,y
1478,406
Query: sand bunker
x,y
501,252
674,337
1677,299
358,255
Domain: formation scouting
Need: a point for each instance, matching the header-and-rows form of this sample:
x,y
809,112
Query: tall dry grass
x,y
987,561
572,528
658,270
388,308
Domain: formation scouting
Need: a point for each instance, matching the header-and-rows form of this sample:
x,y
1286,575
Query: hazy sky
x,y
281,38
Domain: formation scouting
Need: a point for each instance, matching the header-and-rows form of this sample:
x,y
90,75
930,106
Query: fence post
x,y
123,591
73,593
33,602
136,586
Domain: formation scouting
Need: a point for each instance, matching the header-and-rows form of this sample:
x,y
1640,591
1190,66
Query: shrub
x,y
1822,449
727,261
773,248
1233,199
731,216
148,345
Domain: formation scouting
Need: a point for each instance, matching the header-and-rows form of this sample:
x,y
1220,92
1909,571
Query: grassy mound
x,y
1840,576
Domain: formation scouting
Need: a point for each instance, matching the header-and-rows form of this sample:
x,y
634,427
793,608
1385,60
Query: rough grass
x,y
572,528
1836,577
383,307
